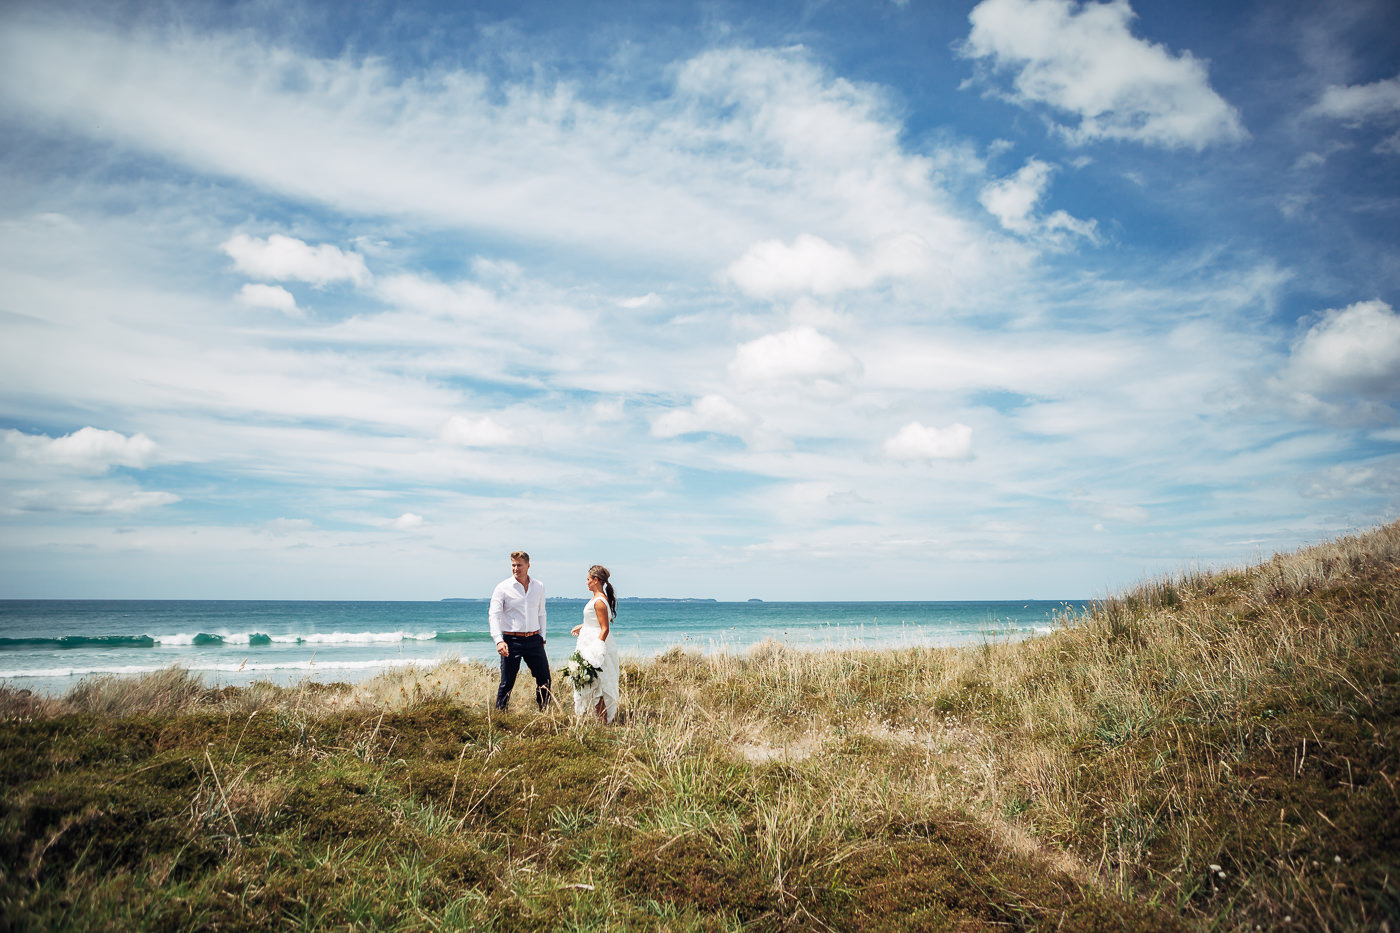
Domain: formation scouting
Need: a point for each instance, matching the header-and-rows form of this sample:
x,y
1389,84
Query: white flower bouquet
x,y
578,671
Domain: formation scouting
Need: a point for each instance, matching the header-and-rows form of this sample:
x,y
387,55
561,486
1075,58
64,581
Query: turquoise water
x,y
51,645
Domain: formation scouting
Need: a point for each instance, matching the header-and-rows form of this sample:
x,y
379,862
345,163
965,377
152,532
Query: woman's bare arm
x,y
601,607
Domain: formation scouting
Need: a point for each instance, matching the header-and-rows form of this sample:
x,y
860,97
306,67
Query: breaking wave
x,y
205,639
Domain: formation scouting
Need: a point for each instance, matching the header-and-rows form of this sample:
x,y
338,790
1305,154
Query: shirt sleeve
x,y
542,612
493,615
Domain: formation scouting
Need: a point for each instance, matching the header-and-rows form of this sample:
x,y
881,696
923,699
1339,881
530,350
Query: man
x,y
517,620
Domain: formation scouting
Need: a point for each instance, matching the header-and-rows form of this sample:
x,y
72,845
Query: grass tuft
x,y
1210,750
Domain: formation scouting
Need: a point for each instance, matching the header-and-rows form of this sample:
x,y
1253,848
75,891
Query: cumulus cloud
x,y
1084,60
286,258
914,442
269,296
811,265
87,450
44,473
483,431
1359,102
1013,200
801,354
1352,350
710,414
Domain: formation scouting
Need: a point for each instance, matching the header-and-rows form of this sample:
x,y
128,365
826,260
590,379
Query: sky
x,y
833,300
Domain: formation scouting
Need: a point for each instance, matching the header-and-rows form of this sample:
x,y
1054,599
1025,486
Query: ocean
x,y
50,645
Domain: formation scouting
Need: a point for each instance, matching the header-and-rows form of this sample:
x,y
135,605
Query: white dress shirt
x,y
516,609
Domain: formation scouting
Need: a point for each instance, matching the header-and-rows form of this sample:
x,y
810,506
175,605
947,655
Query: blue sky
x,y
877,300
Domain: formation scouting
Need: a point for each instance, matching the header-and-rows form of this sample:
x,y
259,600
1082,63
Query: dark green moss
x,y
693,871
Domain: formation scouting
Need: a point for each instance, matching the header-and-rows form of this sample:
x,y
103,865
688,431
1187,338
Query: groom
x,y
517,627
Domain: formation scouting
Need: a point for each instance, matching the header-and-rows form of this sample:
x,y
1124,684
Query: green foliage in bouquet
x,y
578,671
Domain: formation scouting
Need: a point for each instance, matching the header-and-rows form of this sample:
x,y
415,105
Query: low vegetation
x,y
1210,751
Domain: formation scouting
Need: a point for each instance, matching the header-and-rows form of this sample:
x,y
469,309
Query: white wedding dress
x,y
601,653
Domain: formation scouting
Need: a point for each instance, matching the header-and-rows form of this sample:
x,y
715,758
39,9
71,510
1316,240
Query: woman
x,y
594,641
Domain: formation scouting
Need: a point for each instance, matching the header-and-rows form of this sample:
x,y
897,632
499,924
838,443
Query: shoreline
x,y
326,673
53,649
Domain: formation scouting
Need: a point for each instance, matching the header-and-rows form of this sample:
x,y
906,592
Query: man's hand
x,y
576,629
502,649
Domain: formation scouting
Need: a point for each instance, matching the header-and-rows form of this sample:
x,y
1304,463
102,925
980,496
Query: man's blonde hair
x,y
520,555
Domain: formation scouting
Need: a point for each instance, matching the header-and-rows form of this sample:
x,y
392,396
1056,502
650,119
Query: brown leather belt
x,y
520,634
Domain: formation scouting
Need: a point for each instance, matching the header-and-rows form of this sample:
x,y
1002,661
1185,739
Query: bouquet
x,y
579,671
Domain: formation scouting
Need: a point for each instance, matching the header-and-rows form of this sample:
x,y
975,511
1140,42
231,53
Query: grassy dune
x,y
1208,751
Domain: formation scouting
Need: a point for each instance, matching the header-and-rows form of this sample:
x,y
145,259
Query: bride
x,y
598,648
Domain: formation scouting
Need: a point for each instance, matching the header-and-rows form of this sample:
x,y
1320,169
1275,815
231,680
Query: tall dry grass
x,y
1211,742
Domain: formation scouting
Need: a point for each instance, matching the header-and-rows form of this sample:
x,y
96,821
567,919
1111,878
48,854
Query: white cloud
x,y
1358,102
649,300
609,410
711,414
287,258
812,266
285,526
91,499
1084,59
409,392
1013,200
916,442
87,450
483,431
1354,350
405,522
37,473
801,354
458,299
744,144
269,296
1345,481
1117,513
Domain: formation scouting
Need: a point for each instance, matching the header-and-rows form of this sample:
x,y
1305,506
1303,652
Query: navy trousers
x,y
530,649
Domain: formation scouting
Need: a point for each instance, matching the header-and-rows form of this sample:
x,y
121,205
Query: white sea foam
x,y
352,638
186,639
229,668
179,639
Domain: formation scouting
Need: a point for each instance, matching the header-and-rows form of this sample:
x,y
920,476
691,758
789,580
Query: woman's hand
x,y
576,629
